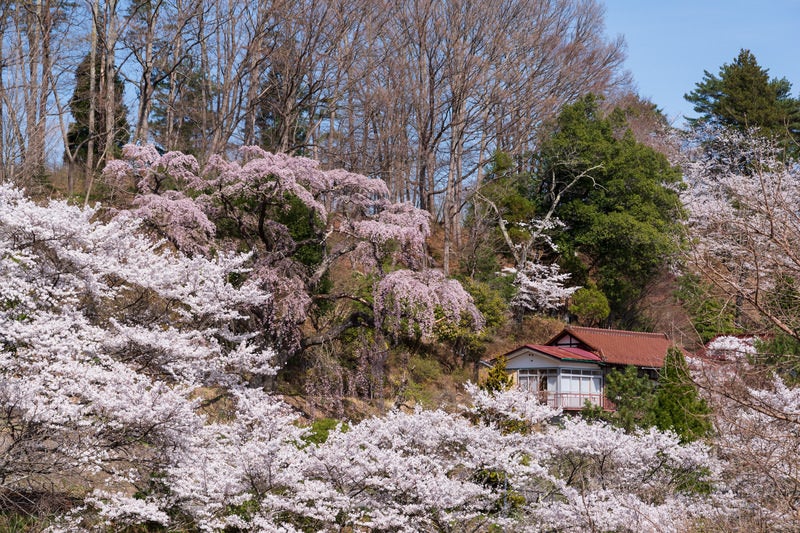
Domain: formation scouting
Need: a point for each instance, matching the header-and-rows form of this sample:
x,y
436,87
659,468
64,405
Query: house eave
x,y
592,361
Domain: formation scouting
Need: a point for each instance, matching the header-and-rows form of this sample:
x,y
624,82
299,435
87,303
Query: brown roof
x,y
620,347
560,352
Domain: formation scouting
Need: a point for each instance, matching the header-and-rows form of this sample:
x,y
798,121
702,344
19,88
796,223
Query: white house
x,y
570,368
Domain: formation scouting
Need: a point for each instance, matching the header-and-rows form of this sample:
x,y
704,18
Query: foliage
x,y
742,199
468,345
755,422
507,206
498,379
540,288
17,522
742,96
107,335
508,190
677,405
670,404
623,215
408,303
79,134
590,305
320,430
177,119
501,195
489,301
424,370
104,337
300,223
781,354
275,133
633,395
648,124
743,217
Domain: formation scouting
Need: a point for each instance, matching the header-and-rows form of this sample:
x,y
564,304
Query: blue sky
x,y
671,42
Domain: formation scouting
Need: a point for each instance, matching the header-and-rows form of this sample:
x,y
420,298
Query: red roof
x,y
620,347
560,352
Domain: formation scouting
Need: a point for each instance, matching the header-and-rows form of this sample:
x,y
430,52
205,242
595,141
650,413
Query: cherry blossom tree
x,y
106,336
742,196
127,372
302,225
540,287
114,348
756,417
431,471
411,303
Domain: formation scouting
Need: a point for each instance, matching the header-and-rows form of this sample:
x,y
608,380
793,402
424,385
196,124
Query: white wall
x,y
526,358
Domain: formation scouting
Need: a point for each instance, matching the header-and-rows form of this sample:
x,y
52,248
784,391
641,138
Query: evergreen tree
x,y
78,135
670,404
277,131
677,406
498,379
177,120
780,353
504,194
743,96
711,313
623,217
589,305
633,396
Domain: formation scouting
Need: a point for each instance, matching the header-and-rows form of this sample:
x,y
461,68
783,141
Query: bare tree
x,y
28,35
106,128
452,82
176,97
154,39
92,98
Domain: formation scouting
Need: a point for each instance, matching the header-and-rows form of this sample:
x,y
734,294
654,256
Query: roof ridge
x,y
551,348
617,331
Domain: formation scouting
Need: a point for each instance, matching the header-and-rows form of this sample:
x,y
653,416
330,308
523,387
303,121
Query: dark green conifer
x,y
632,395
743,96
678,406
79,131
623,216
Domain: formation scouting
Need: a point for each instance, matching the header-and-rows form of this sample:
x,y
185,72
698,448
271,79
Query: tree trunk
x,y
145,82
110,71
35,95
92,101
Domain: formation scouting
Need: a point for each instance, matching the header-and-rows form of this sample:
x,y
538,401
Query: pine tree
x,y
177,119
678,406
79,134
743,96
633,397
280,133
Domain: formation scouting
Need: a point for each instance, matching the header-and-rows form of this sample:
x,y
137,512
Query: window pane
x,y
525,383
